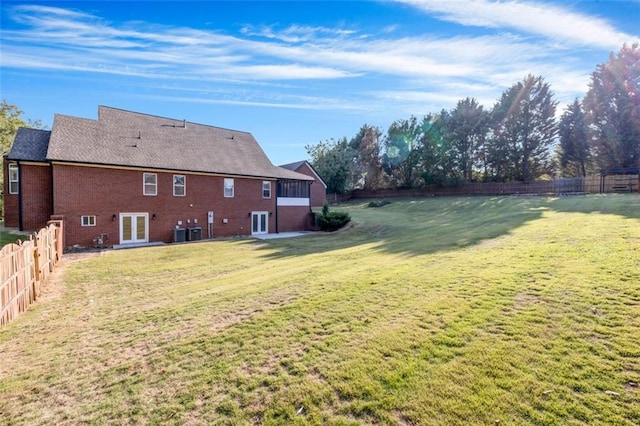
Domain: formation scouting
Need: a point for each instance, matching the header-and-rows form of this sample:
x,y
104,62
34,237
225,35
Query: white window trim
x,y
232,187
144,184
183,186
88,220
14,167
268,183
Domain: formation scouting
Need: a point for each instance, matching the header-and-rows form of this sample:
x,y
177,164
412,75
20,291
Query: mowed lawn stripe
x,y
430,311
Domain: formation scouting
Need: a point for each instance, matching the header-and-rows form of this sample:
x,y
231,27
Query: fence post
x,y
36,263
59,237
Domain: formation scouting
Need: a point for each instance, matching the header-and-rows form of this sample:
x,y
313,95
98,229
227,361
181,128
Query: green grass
x,y
428,311
9,237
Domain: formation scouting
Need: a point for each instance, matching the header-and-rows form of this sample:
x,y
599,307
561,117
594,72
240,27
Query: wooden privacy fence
x,y
25,266
589,184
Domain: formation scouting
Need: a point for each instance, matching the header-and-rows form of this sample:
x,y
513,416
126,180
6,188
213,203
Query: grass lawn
x,y
9,237
436,311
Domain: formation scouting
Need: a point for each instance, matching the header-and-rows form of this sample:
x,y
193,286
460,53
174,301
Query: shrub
x,y
331,221
378,203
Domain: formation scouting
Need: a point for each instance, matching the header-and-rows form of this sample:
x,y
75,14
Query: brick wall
x,y
35,188
35,191
294,219
105,192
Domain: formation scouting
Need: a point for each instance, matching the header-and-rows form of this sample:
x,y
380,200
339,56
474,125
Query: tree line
x,y
519,139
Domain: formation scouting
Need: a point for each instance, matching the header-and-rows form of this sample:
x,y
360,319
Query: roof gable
x,y
132,139
299,164
30,145
293,166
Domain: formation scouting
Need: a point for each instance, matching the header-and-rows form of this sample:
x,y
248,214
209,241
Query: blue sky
x,y
297,72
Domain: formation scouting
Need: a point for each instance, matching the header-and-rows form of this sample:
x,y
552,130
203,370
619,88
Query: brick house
x,y
318,189
129,178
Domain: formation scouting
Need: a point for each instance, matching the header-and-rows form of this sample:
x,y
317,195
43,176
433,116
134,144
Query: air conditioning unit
x,y
194,234
179,235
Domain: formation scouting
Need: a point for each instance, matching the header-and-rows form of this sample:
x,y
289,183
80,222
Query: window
x,y
89,220
13,179
179,185
228,188
266,189
150,183
293,188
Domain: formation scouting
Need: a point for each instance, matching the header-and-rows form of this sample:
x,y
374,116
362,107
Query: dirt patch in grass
x,y
54,286
524,300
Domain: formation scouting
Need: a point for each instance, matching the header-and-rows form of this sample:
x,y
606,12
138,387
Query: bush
x,y
332,221
378,203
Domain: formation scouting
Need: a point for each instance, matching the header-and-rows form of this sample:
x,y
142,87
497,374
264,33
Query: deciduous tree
x,y
367,146
10,121
334,162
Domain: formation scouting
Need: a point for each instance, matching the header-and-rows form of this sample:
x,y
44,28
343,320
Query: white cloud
x,y
295,33
306,103
409,71
543,19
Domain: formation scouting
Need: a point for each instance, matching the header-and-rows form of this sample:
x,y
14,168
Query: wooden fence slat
x,y
25,266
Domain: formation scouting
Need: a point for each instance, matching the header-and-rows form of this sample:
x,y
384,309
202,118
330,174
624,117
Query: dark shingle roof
x,y
293,166
132,139
30,145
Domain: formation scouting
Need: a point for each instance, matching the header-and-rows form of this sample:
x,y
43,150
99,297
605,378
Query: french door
x,y
134,228
259,222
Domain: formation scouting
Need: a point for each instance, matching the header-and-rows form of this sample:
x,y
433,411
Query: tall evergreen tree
x,y
612,110
523,130
574,147
439,164
467,128
402,155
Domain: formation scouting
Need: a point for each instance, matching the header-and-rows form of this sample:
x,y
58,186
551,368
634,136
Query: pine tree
x,y
612,110
574,147
467,128
523,131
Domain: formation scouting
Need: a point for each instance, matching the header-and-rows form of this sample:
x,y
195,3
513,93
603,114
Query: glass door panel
x,y
134,228
259,222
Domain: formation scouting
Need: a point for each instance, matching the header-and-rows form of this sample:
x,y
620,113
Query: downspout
x,y
20,221
276,197
51,212
312,218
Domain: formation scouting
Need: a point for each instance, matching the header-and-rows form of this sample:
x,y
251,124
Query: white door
x,y
134,228
259,222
